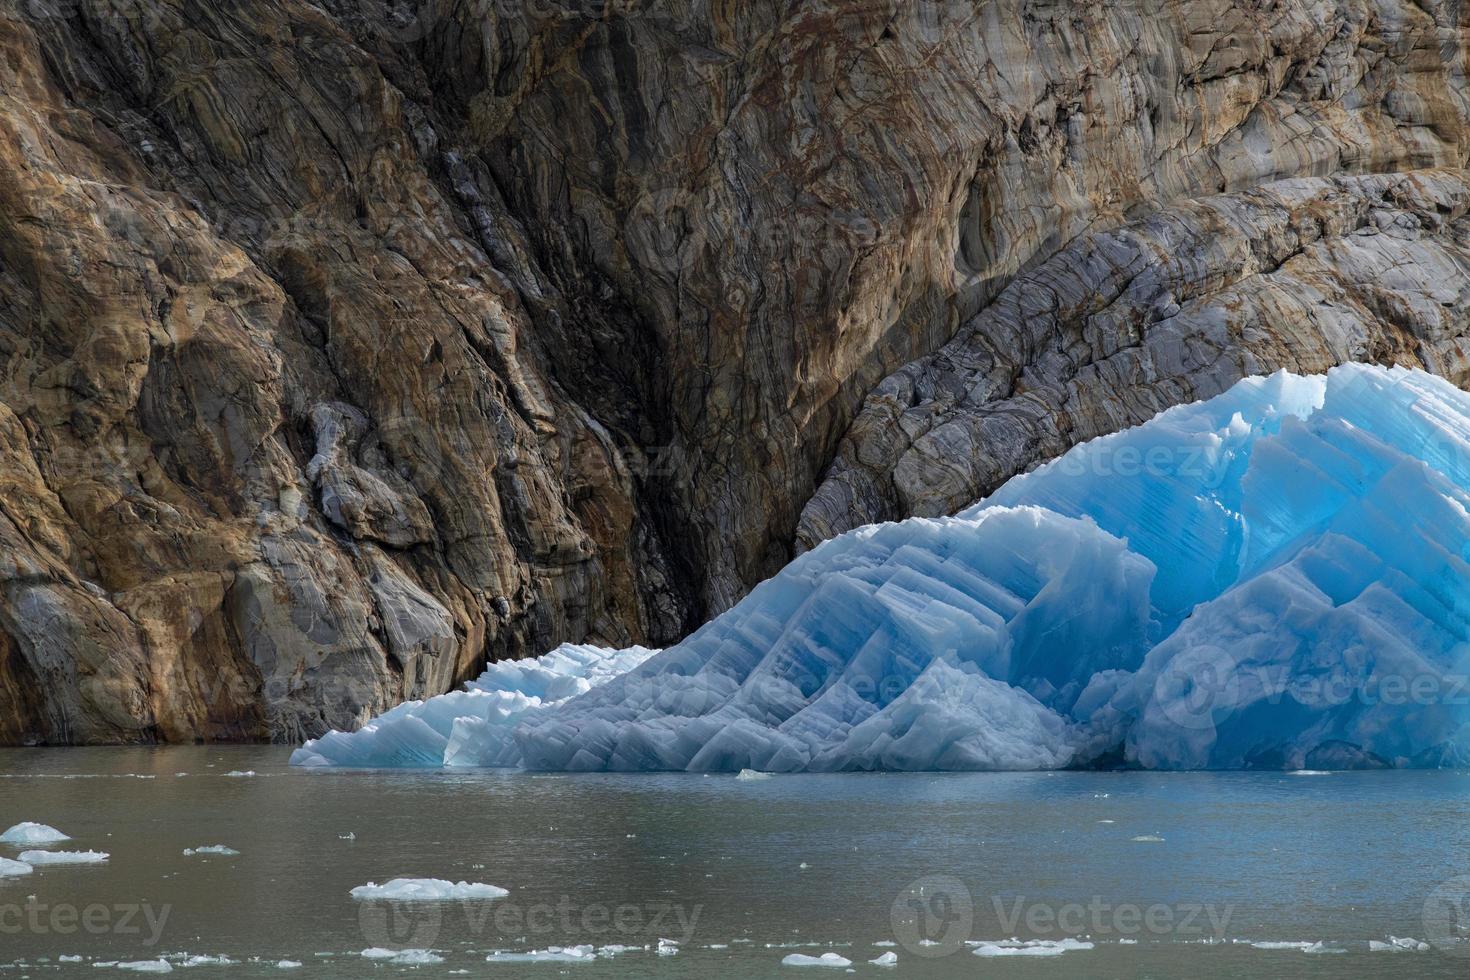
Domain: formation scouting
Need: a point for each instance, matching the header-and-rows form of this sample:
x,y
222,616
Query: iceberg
x,y
826,959
1278,577
426,890
13,869
32,834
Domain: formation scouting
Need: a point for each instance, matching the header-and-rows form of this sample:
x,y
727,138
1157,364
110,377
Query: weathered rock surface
x,y
346,344
1299,274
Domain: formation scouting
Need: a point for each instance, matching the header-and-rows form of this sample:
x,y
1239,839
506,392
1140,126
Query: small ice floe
x,y
551,954
885,942
403,957
613,949
37,858
826,959
237,774
1311,772
426,890
1304,947
189,962
1398,944
288,964
1148,839
752,774
65,958
889,958
1107,821
350,835
146,966
217,849
803,866
32,834
1030,947
13,869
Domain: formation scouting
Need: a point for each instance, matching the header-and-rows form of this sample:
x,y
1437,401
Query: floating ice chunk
x,y
147,966
826,959
1267,579
667,947
1398,944
290,964
238,774
38,858
216,849
889,958
190,962
552,954
1148,839
1032,947
403,957
752,774
426,890
13,869
32,834
1300,946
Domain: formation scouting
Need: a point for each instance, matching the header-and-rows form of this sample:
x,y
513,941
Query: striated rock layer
x,y
345,345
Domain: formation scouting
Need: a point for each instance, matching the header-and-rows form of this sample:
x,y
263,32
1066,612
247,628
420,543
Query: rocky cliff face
x,y
346,344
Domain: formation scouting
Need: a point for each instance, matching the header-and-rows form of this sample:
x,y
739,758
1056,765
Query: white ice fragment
x,y
1148,839
217,849
889,958
403,957
1033,947
426,890
826,959
287,964
752,774
38,858
13,869
237,774
146,966
1398,944
32,834
552,954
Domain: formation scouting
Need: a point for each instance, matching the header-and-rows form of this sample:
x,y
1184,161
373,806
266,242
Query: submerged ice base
x,y
1276,577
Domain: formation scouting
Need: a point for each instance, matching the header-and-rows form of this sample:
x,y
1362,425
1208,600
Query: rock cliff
x,y
347,344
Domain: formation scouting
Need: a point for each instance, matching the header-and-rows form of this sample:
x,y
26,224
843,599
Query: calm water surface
x,y
741,873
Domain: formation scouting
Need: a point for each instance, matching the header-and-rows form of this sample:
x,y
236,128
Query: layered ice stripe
x,y
1275,577
917,645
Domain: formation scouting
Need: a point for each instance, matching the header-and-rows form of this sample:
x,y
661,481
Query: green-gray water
x,y
741,873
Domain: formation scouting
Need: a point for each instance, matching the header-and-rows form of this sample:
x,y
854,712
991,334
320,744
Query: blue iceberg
x,y
1274,578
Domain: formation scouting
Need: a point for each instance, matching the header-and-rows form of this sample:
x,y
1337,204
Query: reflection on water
x,y
1090,873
